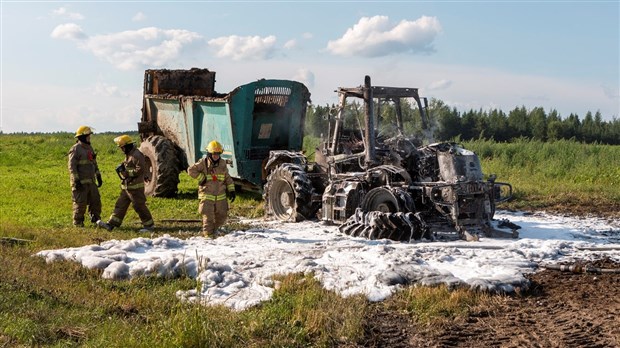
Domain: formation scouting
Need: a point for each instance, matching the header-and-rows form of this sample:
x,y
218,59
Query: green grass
x,y
425,304
562,173
36,191
63,304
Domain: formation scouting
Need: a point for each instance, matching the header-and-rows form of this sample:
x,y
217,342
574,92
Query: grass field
x,y
557,175
63,304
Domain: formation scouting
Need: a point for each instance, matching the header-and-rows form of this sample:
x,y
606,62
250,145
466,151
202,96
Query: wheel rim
x,y
380,199
282,199
149,183
148,169
385,207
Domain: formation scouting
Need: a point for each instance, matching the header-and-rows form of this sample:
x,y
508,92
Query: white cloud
x,y
132,49
376,36
305,76
68,31
290,44
138,17
107,90
439,85
62,12
307,36
244,48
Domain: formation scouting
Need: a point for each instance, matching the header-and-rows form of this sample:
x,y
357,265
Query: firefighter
x,y
131,172
214,186
83,171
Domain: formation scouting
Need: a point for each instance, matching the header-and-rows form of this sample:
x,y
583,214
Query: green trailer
x,y
182,113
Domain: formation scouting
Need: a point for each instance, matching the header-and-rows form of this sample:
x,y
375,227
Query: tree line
x,y
448,123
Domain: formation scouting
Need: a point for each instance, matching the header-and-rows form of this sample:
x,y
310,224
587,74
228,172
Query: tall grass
x,y
63,304
545,174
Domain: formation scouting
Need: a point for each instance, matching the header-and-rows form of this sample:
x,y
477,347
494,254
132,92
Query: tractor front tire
x,y
402,227
162,167
288,194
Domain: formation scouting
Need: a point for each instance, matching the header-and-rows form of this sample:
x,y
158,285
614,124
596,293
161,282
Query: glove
x,y
78,185
99,180
120,168
231,195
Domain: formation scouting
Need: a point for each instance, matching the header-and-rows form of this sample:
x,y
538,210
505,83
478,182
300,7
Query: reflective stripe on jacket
x,y
132,187
82,163
134,170
206,197
218,180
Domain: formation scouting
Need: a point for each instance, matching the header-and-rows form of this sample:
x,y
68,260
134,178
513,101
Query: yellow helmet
x,y
123,140
214,146
83,130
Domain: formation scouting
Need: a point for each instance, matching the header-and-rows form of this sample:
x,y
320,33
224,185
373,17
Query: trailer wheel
x,y
288,194
162,167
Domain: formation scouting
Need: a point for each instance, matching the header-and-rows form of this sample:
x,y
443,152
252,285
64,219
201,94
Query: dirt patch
x,y
560,309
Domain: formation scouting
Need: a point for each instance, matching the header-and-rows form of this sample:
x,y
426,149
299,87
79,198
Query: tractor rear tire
x,y
288,194
162,167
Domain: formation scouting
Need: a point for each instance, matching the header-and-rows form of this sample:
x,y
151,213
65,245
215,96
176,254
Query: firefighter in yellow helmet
x,y
131,172
84,173
214,186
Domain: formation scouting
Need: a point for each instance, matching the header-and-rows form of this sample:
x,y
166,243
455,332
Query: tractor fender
x,y
277,157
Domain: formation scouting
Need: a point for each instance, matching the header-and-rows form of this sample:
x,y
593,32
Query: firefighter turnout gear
x,y
214,185
85,178
131,172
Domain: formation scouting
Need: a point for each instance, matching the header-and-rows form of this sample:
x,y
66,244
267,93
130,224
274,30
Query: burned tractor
x,y
380,185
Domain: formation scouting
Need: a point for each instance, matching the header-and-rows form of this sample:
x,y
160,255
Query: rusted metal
x,y
370,123
11,240
389,186
576,268
196,82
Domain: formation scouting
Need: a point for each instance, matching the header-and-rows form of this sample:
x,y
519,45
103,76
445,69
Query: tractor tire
x,y
162,167
402,227
288,194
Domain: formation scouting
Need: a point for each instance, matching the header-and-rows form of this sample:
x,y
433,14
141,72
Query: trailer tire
x,y
288,194
162,167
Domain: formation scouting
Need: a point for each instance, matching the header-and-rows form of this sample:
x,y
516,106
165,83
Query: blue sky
x,y
70,63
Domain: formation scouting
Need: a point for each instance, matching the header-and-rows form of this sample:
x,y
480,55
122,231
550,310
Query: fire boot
x,y
105,225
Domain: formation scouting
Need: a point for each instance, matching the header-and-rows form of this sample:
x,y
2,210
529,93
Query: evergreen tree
x,y
518,123
572,127
587,128
498,126
468,126
449,124
538,124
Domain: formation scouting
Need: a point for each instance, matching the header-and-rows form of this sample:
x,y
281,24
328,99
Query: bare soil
x,y
559,309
